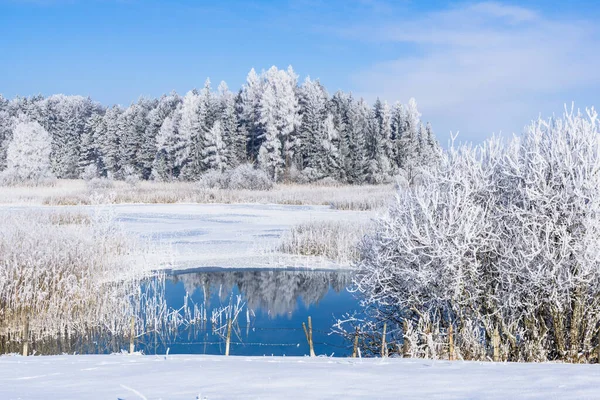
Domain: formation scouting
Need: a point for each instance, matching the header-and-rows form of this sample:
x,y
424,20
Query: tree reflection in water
x,y
277,291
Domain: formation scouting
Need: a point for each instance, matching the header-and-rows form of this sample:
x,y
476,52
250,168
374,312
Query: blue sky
x,y
474,67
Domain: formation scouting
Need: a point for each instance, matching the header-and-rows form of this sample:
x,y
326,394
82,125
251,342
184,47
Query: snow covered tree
x,y
214,152
5,131
110,141
28,153
165,106
90,145
191,128
313,106
133,123
233,137
167,143
331,164
250,113
271,122
279,119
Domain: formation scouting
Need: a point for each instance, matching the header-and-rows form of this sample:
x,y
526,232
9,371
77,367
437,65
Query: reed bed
x,y
79,192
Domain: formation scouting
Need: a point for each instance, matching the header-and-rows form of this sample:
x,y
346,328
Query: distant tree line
x,y
292,132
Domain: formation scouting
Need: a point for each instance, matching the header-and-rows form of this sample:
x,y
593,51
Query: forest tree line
x,y
294,132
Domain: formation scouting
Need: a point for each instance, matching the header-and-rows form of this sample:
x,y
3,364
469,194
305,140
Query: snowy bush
x,y
130,176
213,180
28,155
500,244
247,177
243,177
90,172
100,183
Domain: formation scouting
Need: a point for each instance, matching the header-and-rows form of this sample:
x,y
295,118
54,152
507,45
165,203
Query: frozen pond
x,y
275,304
227,235
236,236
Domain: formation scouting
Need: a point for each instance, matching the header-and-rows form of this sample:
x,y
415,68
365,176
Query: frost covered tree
x,y
271,122
5,131
165,106
313,106
167,146
110,141
191,128
279,118
215,152
28,153
498,243
234,139
90,149
250,100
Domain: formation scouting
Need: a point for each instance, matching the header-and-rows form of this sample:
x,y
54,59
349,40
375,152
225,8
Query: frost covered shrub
x,y
501,244
90,172
247,177
28,155
100,183
213,180
243,177
130,176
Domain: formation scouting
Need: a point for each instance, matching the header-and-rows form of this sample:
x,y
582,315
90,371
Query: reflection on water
x,y
276,303
277,291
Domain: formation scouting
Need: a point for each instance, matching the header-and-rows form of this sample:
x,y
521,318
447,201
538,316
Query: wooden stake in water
x,y
308,334
26,338
132,336
383,344
354,351
228,342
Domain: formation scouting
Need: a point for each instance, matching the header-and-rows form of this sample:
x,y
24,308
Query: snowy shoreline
x,y
188,377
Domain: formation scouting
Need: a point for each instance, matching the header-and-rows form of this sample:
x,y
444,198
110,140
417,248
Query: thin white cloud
x,y
485,67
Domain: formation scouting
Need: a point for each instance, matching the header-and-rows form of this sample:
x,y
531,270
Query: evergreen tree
x,y
313,110
331,164
214,152
167,143
279,118
234,139
165,106
28,153
110,141
249,111
409,141
90,150
5,130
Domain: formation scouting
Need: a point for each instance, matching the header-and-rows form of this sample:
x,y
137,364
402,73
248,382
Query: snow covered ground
x,y
218,377
221,235
227,235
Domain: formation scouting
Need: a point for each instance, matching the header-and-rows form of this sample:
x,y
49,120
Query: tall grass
x,y
336,241
77,192
66,275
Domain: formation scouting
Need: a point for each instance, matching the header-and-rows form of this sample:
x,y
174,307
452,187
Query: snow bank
x,y
217,377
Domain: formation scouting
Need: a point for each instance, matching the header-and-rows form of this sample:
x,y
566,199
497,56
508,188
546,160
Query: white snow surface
x,y
227,235
220,235
188,377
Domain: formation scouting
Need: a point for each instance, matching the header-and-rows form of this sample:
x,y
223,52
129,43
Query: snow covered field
x,y
228,235
221,235
216,377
